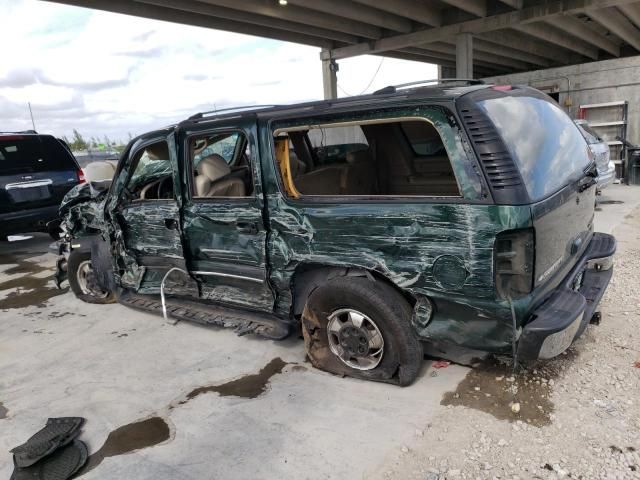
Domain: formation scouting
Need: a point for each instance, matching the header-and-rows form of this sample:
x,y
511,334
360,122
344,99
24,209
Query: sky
x,y
115,75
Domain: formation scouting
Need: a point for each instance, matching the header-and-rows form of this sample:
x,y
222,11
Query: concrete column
x,y
329,75
464,55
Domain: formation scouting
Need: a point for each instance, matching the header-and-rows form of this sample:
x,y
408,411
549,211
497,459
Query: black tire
x,y
76,259
402,356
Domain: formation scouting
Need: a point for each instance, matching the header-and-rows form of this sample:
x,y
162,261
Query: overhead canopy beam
x,y
418,10
361,13
535,13
482,45
474,7
579,29
187,18
236,15
633,12
517,4
559,38
524,43
297,14
618,25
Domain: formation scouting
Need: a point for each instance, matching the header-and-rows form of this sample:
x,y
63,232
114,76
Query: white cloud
x,y
111,74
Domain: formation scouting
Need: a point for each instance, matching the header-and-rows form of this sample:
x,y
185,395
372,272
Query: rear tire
x,y
80,274
341,325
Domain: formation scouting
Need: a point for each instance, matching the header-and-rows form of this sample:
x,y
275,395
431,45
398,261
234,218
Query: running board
x,y
243,322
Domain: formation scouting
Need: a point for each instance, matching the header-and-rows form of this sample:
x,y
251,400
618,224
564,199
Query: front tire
x,y
360,327
82,281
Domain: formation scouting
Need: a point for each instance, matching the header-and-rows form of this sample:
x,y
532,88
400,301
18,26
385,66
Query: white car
x,y
600,149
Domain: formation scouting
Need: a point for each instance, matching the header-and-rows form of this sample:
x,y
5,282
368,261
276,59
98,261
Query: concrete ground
x,y
189,402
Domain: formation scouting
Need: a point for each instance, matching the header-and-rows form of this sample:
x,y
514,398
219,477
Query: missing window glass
x,y
385,157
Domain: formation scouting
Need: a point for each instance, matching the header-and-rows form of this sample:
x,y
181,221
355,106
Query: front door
x,y
224,233
146,220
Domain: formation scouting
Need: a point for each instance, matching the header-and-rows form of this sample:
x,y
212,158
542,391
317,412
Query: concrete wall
x,y
587,83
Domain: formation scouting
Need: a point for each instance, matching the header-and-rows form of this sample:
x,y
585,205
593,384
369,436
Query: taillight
x,y
81,178
514,256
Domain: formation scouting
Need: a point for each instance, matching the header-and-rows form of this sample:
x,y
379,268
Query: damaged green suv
x,y
453,216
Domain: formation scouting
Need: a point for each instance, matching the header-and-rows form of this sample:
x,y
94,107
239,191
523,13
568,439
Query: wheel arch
x,y
309,276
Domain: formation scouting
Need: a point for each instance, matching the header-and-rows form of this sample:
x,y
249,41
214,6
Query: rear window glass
x,y
22,154
544,142
589,133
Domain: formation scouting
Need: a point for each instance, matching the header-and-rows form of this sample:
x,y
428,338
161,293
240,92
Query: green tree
x,y
78,142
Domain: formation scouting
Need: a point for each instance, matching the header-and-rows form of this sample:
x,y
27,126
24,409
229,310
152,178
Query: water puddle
x,y
128,438
248,386
29,290
490,388
3,411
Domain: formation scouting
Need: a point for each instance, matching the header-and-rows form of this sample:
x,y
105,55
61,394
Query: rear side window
x,y
394,157
546,145
30,154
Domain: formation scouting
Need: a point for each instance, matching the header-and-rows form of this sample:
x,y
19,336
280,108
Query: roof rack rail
x,y
395,88
201,115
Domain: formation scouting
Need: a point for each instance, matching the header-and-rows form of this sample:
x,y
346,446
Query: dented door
x,y
224,233
145,222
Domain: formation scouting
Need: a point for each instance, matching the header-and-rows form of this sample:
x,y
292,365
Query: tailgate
x,y
563,227
42,189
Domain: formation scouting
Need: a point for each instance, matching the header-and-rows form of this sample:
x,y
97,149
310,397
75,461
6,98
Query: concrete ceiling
x,y
508,35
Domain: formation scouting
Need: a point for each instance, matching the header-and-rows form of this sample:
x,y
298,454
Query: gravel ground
x,y
579,414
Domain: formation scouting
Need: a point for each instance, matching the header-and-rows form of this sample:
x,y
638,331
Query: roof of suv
x,y
388,95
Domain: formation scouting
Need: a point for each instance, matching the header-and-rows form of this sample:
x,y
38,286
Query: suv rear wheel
x,y
82,280
360,327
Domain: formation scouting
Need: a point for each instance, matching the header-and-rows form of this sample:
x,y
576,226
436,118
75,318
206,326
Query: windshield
x,y
544,142
33,153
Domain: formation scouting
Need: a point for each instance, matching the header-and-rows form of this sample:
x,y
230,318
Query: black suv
x,y
36,171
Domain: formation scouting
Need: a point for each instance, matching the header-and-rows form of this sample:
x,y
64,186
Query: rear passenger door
x,y
223,230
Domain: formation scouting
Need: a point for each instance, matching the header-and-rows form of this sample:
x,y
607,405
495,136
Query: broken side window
x,y
152,177
395,157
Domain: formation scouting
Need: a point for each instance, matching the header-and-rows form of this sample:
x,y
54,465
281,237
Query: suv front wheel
x,y
82,279
360,327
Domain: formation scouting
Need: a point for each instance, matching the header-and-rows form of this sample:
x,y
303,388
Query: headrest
x,y
98,171
357,156
158,151
213,167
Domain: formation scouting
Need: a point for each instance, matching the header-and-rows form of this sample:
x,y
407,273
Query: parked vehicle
x,y
601,153
454,215
36,171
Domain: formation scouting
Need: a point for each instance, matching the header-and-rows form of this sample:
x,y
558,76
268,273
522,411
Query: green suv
x,y
457,215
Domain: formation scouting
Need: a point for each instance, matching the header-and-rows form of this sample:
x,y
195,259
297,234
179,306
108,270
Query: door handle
x,y
247,227
171,223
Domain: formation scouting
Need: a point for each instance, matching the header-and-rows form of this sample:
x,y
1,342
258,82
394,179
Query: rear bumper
x,y
562,318
28,220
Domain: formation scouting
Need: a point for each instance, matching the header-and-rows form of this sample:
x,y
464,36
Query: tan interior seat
x,y
211,181
323,181
360,175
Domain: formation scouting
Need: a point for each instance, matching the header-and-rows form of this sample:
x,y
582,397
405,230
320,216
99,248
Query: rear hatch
x,y
557,171
35,171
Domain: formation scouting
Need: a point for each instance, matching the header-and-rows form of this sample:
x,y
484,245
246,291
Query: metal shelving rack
x,y
621,108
